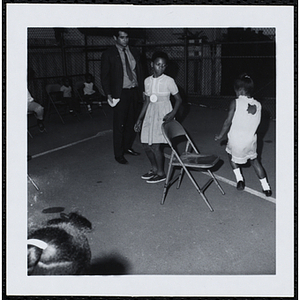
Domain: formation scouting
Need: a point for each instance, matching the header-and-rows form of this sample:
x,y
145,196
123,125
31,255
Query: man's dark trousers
x,y
124,118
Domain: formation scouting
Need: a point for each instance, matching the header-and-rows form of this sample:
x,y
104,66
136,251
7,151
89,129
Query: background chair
x,y
29,178
78,90
33,182
55,99
30,117
30,113
189,159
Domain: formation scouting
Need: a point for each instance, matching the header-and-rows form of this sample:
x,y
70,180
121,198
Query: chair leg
x,y
206,201
164,194
103,111
180,178
33,183
198,189
216,182
166,184
99,103
58,113
29,134
85,106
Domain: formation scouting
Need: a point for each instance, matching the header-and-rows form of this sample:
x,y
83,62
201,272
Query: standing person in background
x,y
122,82
242,122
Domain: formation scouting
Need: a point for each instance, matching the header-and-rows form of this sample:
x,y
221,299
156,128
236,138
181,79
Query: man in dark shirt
x,y
122,82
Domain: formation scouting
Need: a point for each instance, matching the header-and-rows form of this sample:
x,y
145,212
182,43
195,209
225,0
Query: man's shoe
x,y
132,152
148,175
121,160
240,185
156,178
268,193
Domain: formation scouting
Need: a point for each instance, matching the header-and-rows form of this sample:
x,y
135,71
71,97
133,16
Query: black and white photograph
x,y
155,153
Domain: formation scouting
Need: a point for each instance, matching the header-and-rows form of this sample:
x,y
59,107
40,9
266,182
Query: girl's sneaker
x,y
156,178
148,175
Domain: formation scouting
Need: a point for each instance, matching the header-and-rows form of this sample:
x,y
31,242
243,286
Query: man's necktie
x,y
128,68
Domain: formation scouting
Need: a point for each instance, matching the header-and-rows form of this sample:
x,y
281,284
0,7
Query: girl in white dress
x,y
242,122
157,108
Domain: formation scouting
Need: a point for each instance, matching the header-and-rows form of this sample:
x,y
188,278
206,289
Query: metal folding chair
x,y
189,159
78,90
55,99
29,126
78,87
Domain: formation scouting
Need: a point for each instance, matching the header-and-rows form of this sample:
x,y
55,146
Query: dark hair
x,y
65,79
116,31
244,81
87,75
160,54
60,247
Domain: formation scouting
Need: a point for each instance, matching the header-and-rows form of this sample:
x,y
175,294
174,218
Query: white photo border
x,y
19,18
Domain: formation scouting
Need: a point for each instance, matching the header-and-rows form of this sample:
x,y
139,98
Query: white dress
x,y
162,87
242,139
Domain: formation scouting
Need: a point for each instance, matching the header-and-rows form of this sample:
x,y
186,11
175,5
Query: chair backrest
x,y
53,88
172,129
78,87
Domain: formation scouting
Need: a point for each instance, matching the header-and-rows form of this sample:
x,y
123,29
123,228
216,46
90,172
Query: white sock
x,y
265,185
238,174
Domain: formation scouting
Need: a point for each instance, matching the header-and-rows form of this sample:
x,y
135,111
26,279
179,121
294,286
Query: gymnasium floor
x,y
74,167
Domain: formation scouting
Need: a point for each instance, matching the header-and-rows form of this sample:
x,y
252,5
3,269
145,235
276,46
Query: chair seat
x,y
197,160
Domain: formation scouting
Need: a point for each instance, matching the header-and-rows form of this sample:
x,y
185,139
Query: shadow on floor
x,y
109,265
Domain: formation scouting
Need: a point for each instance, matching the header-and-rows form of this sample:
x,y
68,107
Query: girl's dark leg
x,y
260,172
151,157
233,164
238,175
88,99
159,156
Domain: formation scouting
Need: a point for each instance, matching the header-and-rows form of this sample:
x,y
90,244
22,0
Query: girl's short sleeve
x,y
147,86
172,86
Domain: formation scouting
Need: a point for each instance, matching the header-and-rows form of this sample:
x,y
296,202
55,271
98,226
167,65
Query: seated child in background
x,y
37,109
67,96
90,92
59,247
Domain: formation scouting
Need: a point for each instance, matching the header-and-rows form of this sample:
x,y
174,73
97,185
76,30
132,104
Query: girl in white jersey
x,y
242,122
